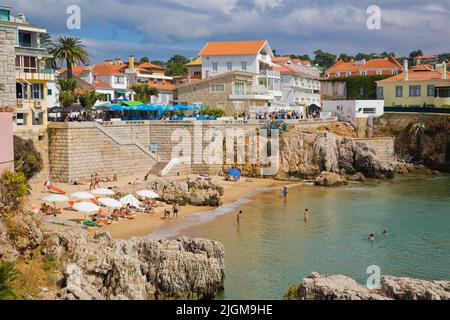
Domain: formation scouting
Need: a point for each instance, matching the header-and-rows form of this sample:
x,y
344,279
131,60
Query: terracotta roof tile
x,y
148,65
105,68
232,48
417,75
162,86
373,64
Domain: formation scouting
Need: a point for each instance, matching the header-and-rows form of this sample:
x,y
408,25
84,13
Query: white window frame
x,y
213,87
244,65
229,66
215,66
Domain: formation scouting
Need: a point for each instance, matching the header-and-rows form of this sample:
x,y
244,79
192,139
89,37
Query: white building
x,y
255,57
351,110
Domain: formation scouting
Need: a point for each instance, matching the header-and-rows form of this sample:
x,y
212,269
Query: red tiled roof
x,y
283,69
162,86
232,48
147,65
426,57
373,64
417,75
105,68
76,70
101,85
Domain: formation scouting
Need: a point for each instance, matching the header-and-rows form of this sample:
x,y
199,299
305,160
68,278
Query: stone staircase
x,y
156,170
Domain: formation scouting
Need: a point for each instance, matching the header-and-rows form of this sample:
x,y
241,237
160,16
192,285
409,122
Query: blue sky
x,y
159,29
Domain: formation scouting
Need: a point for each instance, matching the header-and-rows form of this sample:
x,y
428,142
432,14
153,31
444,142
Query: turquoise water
x,y
274,247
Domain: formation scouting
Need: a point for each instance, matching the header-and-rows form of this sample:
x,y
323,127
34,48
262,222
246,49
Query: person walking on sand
x,y
238,218
176,210
306,215
285,192
92,186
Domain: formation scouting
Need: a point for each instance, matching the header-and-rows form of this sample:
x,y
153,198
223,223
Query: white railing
x,y
270,73
170,166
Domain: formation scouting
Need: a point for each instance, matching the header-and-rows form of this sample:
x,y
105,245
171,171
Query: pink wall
x,y
6,141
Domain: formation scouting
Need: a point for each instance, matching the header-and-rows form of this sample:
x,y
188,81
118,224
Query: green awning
x,y
120,91
132,103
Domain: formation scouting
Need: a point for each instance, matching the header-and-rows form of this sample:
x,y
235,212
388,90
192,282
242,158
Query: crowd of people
x,y
280,115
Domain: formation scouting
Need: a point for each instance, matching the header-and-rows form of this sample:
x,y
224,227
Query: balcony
x,y
30,74
254,94
264,58
270,74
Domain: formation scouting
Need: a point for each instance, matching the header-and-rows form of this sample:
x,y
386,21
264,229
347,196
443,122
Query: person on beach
x,y
97,181
285,192
306,215
176,210
371,237
166,214
92,186
238,218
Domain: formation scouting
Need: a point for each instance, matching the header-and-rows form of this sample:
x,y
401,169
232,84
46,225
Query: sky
x,y
159,29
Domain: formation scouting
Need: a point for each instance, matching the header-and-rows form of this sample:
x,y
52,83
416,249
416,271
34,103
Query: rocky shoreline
x,y
340,287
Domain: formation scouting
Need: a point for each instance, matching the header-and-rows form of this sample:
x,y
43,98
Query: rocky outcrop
x,y
339,287
307,154
186,191
137,269
330,179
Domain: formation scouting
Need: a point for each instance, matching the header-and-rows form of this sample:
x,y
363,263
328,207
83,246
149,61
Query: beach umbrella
x,y
103,192
110,203
234,172
150,194
130,200
183,107
82,195
55,198
86,207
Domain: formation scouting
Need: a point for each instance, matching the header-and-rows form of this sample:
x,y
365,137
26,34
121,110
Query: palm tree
x,y
67,84
67,98
88,99
71,51
144,92
47,43
417,130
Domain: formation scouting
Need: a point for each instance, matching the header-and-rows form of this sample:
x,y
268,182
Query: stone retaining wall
x,y
384,148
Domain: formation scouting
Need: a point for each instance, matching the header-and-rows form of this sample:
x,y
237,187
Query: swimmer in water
x,y
385,232
306,215
371,237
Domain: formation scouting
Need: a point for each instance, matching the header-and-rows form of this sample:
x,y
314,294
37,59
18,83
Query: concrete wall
x,y
6,141
77,150
7,69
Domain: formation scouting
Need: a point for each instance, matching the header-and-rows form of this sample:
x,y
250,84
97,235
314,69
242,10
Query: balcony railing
x,y
270,74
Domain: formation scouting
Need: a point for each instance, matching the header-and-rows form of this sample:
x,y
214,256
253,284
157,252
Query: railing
x,y
270,73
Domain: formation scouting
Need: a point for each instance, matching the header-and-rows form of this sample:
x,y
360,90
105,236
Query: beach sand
x,y
144,224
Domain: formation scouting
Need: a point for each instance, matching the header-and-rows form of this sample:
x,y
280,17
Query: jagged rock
x,y
193,192
359,177
141,268
306,155
330,179
414,289
339,287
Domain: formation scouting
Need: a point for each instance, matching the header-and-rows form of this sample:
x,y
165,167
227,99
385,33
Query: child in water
x,y
371,237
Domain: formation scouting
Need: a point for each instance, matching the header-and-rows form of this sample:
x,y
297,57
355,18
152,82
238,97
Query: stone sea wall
x,y
7,69
77,150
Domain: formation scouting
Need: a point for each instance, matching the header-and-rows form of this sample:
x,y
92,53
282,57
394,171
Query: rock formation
x,y
193,192
339,287
137,269
308,154
330,179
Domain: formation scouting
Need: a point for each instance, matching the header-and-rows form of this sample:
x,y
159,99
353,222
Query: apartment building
x,y
386,66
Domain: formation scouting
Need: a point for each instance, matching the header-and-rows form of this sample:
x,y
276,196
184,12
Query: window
x,y
217,88
338,74
215,66
363,72
414,91
120,80
26,64
239,87
37,91
395,71
369,110
379,72
24,39
380,92
4,15
430,91
21,90
244,66
49,92
443,92
399,91
229,66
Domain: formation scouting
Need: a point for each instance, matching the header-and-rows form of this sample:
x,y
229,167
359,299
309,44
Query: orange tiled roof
x,y
279,60
76,70
283,69
162,86
148,65
423,67
232,48
105,68
417,75
426,57
101,85
351,66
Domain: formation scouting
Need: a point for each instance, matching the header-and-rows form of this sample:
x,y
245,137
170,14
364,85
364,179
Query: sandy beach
x,y
145,224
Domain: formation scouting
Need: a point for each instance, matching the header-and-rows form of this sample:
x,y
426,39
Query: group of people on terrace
x,y
280,115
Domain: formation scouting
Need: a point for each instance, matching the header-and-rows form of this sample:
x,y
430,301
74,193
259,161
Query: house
x,y
428,59
6,141
299,82
31,74
240,72
194,69
386,66
353,110
417,87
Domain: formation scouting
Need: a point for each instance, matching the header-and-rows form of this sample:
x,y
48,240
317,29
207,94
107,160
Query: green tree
x,y
8,274
417,130
362,56
88,99
279,125
159,63
324,59
67,84
213,111
13,189
71,51
47,43
144,59
67,98
345,57
176,65
26,158
144,92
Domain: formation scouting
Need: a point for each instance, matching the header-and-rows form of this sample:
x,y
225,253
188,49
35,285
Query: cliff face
x,y
137,269
432,148
339,287
307,154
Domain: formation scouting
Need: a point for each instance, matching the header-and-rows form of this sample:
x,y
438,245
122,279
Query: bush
x,y
213,111
13,188
8,274
26,158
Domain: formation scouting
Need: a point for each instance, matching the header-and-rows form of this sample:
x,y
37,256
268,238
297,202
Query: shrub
x,y
8,274
67,98
213,111
26,158
279,125
13,188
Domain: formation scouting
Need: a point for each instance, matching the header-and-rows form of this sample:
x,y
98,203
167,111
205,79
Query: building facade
x,y
32,76
417,87
386,66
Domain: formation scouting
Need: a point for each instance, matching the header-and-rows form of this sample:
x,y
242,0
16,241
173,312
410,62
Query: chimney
x,y
444,70
405,70
21,17
89,75
131,63
117,61
110,62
